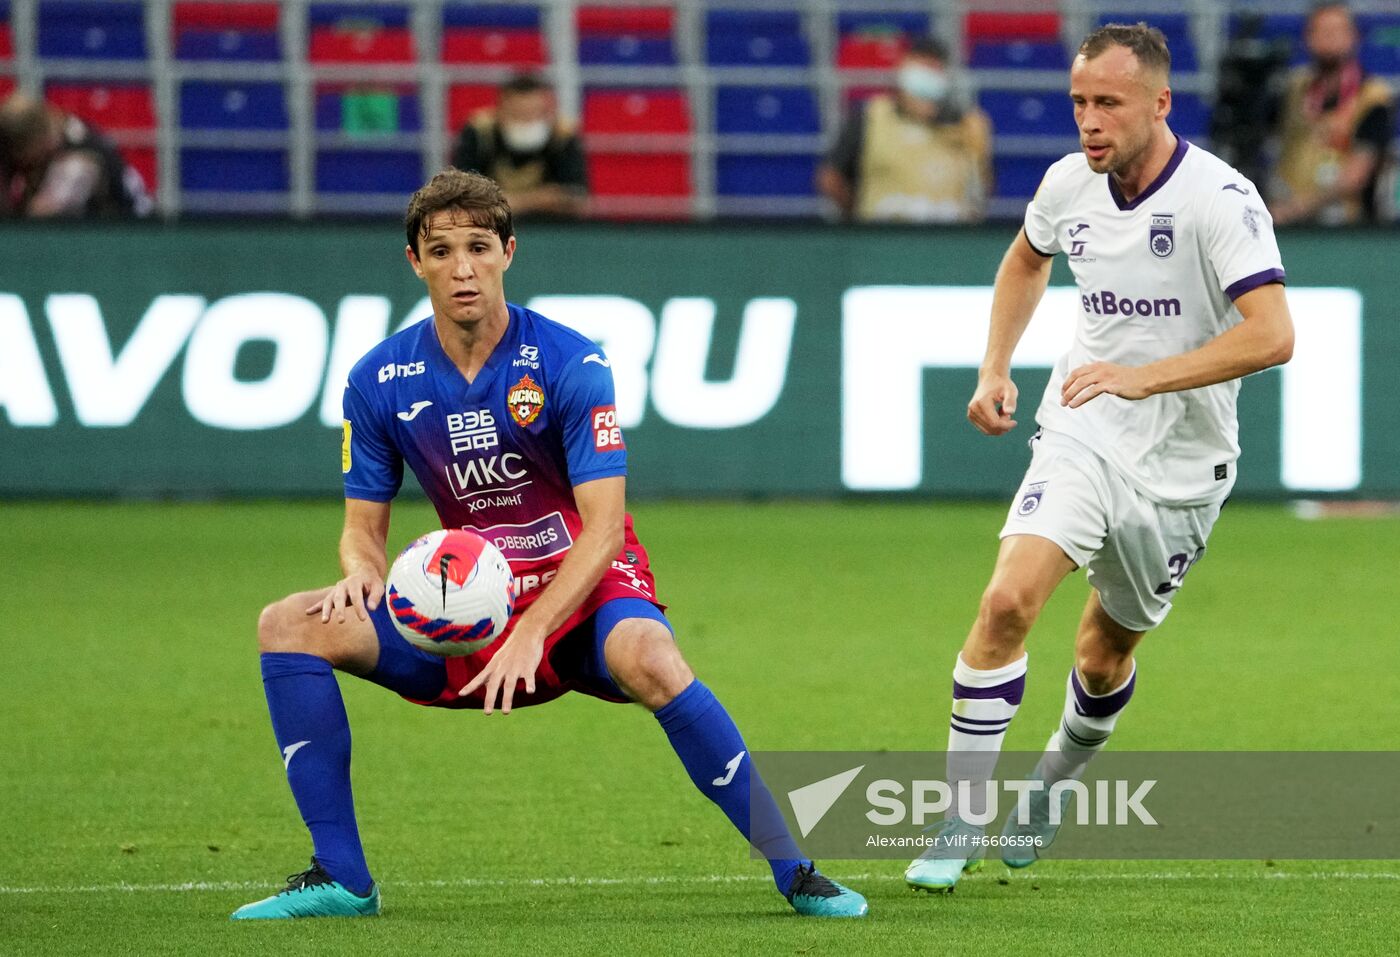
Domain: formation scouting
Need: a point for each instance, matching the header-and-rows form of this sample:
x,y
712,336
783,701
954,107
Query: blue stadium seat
x,y
1028,112
1190,115
1273,26
101,29
234,170
755,38
244,45
1018,55
368,171
1020,176
1380,42
626,49
232,106
508,15
782,175
1176,26
765,109
330,112
907,22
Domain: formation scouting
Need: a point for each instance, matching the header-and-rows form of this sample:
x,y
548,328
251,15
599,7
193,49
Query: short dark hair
x,y
1148,44
24,121
928,45
523,83
475,195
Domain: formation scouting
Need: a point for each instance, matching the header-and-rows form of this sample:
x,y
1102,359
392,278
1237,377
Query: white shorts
x,y
1136,551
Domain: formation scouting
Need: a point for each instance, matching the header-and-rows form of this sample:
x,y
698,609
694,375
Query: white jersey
x,y
1157,277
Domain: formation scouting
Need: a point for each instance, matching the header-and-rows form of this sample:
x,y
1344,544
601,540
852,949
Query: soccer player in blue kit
x,y
508,421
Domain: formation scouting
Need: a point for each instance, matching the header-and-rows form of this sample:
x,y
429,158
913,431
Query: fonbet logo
x,y
658,361
945,327
607,436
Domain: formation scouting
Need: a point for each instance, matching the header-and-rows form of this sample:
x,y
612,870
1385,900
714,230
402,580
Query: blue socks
x,y
715,756
313,734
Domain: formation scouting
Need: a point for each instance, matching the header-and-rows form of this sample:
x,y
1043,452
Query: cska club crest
x,y
526,400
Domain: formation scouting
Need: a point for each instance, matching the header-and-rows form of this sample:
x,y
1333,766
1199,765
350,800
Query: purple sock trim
x,y
1102,706
1009,691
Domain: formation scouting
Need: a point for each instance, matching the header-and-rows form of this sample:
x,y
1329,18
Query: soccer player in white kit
x,y
1181,294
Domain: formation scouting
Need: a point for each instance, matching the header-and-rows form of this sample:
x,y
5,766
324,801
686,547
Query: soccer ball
x,y
451,592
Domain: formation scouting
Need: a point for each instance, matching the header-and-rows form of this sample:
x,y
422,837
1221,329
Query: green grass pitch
x,y
142,800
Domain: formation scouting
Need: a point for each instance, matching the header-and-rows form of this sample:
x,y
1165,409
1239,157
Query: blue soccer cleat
x,y
957,850
1026,841
311,893
815,895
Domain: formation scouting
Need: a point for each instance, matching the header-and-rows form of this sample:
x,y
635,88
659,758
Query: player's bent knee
x,y
1009,610
643,658
283,625
1101,672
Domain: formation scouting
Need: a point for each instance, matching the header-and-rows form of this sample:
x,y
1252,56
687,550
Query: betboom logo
x,y
1112,304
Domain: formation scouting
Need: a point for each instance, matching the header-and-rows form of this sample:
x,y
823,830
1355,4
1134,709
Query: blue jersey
x,y
500,454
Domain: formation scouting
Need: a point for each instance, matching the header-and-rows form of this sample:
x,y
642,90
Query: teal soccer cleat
x,y
1024,842
815,895
311,893
957,850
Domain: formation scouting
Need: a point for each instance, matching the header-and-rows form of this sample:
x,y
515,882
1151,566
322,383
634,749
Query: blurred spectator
x,y
54,164
919,154
523,145
1335,129
1253,78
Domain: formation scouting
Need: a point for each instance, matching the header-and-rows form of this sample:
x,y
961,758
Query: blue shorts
x,y
573,663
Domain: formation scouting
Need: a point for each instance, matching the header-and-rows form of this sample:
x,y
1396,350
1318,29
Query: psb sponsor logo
x,y
473,431
1113,304
529,357
1031,500
533,541
526,400
607,436
1159,236
400,371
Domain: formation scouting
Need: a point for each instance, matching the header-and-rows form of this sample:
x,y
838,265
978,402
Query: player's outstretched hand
x,y
1096,378
993,405
359,590
517,660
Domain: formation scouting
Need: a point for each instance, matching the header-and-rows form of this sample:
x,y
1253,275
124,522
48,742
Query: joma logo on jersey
x,y
525,399
400,371
1111,304
472,430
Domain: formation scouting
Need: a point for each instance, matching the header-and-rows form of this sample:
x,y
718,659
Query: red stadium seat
x,y
500,46
635,111
639,174
464,100
6,43
866,52
143,160
226,16
1012,26
7,86
859,94
106,107
644,20
380,45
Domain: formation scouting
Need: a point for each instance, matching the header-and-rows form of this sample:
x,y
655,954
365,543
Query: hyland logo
x,y
526,400
1031,500
1159,236
607,436
529,357
472,431
400,370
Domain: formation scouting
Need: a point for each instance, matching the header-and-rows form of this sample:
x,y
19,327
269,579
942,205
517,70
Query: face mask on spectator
x,y
526,137
923,83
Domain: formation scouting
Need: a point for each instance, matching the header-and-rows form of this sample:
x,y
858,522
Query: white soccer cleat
x,y
957,850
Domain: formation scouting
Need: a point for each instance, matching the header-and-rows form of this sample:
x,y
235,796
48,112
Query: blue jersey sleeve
x,y
371,462
593,441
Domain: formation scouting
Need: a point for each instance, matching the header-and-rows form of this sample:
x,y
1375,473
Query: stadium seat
x,y
753,38
464,100
1190,116
143,160
93,29
765,109
360,33
635,111
207,105
367,110
738,174
626,36
1275,26
7,86
1019,176
7,43
1176,26
108,107
1011,26
1380,42
639,174
875,39
496,34
1018,55
234,170
1028,112
226,31
368,171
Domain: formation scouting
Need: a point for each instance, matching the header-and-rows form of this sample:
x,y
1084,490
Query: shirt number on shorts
x,y
1179,564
